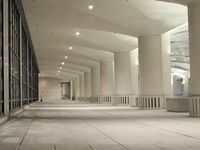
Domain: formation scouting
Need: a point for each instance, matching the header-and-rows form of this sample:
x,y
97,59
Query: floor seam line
x,y
90,147
22,140
102,132
170,131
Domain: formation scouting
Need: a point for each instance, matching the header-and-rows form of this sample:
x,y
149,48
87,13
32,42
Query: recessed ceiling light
x,y
58,71
66,57
60,68
77,33
90,7
62,63
70,48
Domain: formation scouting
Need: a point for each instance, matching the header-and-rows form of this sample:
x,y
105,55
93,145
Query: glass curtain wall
x,y
24,68
14,56
29,67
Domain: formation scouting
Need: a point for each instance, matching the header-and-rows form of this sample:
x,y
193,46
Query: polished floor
x,y
68,126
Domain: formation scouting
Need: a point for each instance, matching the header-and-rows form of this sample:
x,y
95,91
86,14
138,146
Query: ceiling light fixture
x,y
62,63
66,57
70,48
77,33
58,71
90,7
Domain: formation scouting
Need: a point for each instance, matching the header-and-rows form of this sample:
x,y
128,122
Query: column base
x,y
106,99
129,100
194,107
151,102
89,99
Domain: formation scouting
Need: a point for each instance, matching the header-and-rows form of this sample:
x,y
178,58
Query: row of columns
x,y
119,77
154,65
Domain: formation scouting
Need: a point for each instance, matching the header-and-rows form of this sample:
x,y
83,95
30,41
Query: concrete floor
x,y
63,126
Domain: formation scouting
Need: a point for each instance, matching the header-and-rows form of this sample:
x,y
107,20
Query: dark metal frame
x,y
14,56
23,67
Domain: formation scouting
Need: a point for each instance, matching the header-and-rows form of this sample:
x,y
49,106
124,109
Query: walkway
x,y
62,126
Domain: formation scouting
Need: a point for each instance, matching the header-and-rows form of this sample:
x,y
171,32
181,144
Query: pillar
x,y
154,71
95,71
71,89
88,84
107,78
82,86
122,73
76,89
194,37
134,72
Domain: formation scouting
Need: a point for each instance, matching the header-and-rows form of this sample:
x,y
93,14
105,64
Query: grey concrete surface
x,y
68,126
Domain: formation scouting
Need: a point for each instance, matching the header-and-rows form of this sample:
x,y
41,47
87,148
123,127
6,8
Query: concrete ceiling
x,y
112,26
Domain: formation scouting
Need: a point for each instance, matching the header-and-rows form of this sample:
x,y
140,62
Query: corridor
x,y
82,126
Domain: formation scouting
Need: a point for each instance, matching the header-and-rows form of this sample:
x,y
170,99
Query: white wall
x,y
50,88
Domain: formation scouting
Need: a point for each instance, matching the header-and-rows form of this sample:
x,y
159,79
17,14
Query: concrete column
x,y
95,81
88,84
107,78
134,72
194,37
154,70
71,89
122,73
76,88
82,86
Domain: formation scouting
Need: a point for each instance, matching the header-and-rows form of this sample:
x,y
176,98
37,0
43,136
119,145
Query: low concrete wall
x,y
177,104
88,99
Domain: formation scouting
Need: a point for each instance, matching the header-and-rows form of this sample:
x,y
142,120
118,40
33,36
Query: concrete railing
x,y
89,99
125,100
194,106
106,99
151,102
129,100
118,100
